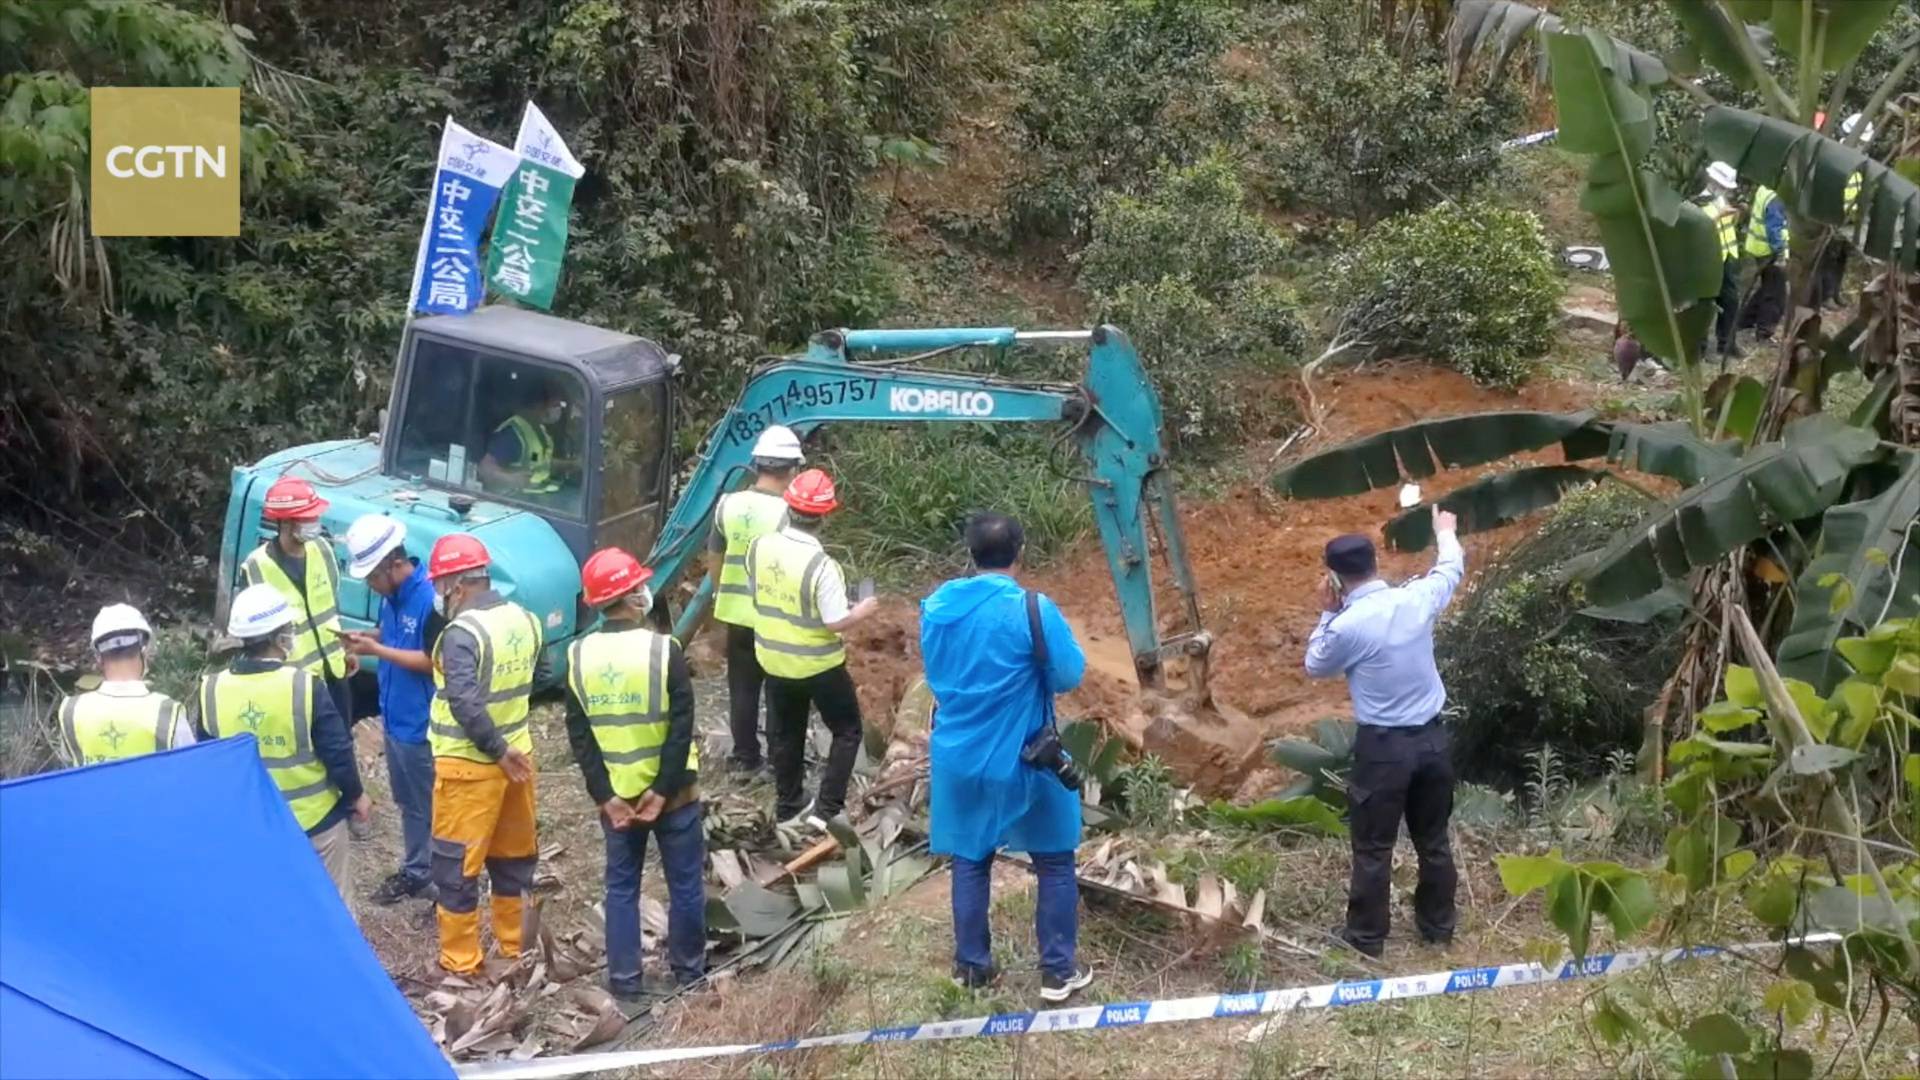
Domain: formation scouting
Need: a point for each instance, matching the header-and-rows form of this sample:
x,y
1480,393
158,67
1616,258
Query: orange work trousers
x,y
480,818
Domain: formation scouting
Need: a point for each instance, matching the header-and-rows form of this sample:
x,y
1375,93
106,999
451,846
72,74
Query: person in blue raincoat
x,y
991,697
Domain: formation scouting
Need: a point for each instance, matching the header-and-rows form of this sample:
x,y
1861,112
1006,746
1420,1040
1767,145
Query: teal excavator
x,y
609,401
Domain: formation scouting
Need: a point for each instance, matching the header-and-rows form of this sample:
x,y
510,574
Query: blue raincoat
x,y
978,652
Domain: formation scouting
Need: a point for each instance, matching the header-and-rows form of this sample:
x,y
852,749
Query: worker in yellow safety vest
x,y
1768,235
121,718
1831,274
520,453
301,737
298,561
631,724
1721,181
739,519
485,665
800,609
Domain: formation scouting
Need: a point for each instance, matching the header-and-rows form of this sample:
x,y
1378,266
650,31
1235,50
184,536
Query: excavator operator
x,y
520,452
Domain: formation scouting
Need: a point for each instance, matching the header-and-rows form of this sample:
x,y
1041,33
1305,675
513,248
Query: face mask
x,y
440,604
307,531
555,412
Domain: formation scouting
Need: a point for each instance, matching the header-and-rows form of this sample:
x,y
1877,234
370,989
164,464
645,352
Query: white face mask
x,y
440,604
307,531
555,412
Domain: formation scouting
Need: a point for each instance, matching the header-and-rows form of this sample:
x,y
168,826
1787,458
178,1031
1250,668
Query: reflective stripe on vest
x,y
275,706
620,680
1726,219
742,518
1757,245
108,727
789,638
507,642
316,649
536,454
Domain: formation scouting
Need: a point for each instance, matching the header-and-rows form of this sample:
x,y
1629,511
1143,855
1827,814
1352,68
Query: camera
x,y
1045,753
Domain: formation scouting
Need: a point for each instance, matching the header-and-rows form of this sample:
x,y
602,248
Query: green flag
x,y
530,232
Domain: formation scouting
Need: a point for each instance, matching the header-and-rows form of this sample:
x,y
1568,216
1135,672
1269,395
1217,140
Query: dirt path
x,y
1257,560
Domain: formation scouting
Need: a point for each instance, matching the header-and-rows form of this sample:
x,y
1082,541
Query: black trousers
x,y
1400,773
1729,305
1769,299
1830,274
788,701
743,696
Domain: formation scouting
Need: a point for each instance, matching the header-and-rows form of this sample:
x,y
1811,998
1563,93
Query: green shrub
x,y
1118,87
1524,670
1186,272
1366,132
908,491
1473,286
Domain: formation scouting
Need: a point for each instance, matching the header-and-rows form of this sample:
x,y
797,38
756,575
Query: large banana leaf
x,y
1714,35
1670,449
1503,26
1490,502
1861,545
1389,457
1664,252
1811,171
1841,28
1797,477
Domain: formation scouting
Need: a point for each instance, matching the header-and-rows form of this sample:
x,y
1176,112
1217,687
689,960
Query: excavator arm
x,y
1112,417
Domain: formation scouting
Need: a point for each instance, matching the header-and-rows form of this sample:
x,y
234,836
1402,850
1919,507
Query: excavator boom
x,y
1112,417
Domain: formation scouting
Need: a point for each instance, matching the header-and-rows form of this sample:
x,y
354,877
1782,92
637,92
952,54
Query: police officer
x,y
301,738
485,665
738,520
800,609
630,722
122,718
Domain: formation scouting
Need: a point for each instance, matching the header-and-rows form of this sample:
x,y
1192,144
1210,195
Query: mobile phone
x,y
1338,587
865,591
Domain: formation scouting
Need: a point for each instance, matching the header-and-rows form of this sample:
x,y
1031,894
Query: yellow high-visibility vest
x,y
620,680
536,454
742,518
509,640
1726,219
99,726
275,706
789,638
316,648
1757,245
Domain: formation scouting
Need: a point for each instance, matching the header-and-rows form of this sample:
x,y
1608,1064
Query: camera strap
x,y
1040,656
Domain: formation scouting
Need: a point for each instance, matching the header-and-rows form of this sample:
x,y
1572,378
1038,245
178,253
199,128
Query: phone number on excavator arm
x,y
746,426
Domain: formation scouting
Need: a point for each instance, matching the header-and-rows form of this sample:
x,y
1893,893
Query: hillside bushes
x,y
1188,271
1523,669
1472,286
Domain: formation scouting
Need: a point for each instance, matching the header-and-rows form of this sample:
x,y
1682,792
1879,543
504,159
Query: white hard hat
x,y
778,443
1851,122
258,610
1722,173
370,539
120,626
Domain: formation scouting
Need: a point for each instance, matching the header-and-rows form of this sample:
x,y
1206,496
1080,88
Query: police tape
x,y
1140,1013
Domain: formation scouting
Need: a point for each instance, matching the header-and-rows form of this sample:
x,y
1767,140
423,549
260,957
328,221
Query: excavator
x,y
608,401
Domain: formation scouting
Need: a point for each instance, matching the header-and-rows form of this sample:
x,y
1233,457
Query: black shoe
x,y
1056,989
400,886
968,977
1373,951
649,986
744,766
1438,941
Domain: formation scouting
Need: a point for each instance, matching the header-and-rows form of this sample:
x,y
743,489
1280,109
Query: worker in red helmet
x,y
485,665
801,608
630,722
298,561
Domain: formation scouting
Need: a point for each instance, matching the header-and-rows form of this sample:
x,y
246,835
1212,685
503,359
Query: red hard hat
x,y
610,574
292,499
812,493
456,553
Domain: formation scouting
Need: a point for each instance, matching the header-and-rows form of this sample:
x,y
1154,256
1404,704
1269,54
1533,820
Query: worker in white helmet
x,y
738,520
1718,202
297,729
121,718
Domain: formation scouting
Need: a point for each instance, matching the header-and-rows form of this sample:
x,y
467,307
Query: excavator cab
x,y
544,437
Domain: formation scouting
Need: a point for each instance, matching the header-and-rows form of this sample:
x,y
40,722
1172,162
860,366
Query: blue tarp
x,y
165,917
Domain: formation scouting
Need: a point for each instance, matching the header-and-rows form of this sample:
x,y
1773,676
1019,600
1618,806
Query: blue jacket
x,y
978,653
407,621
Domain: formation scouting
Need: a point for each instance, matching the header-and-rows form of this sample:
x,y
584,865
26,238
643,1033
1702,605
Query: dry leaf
x,y
552,851
1256,910
726,867
606,1027
653,916
1206,897
440,1001
529,1048
499,1042
456,1023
